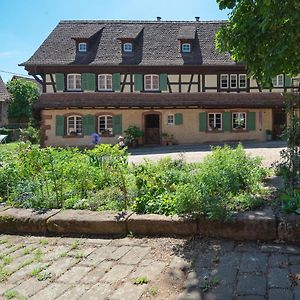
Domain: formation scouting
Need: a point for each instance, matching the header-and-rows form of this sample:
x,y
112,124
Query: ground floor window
x,y
74,125
170,119
239,120
105,125
214,121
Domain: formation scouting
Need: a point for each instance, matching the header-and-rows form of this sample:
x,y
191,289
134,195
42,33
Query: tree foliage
x,y
264,34
23,94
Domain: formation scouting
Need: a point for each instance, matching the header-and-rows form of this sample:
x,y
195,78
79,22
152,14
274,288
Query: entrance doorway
x,y
152,129
279,122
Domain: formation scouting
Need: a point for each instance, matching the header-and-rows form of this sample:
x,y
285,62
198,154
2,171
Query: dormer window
x,y
82,47
186,48
127,47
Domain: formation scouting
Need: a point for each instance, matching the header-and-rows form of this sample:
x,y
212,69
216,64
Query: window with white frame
x,y
239,120
105,125
242,81
186,47
278,81
74,125
170,119
233,81
74,82
214,121
105,82
224,81
127,47
82,47
151,82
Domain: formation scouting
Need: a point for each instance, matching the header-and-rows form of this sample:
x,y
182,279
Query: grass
x,y
9,147
140,280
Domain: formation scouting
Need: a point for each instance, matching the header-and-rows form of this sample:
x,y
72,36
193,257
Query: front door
x,y
152,129
279,122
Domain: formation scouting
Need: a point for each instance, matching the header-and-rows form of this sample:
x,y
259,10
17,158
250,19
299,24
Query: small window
x,y
214,121
186,48
239,121
105,82
82,47
151,82
233,81
242,81
74,82
127,47
105,125
74,125
278,81
224,81
171,120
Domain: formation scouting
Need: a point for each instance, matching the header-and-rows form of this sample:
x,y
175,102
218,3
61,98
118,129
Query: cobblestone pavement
x,y
269,151
157,268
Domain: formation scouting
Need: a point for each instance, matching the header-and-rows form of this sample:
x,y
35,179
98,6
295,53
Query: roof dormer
x,y
186,37
128,38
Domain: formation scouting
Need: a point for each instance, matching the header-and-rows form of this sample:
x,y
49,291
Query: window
x,y
105,125
233,81
186,48
171,120
214,121
151,82
82,47
239,120
278,81
224,81
127,47
74,82
242,81
105,82
74,125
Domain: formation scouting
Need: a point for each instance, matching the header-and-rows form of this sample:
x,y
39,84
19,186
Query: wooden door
x,y
279,122
152,129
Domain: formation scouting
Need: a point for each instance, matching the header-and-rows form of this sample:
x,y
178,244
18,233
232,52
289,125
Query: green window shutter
x,y
287,81
251,124
202,121
138,82
88,124
163,82
60,81
60,126
88,82
178,119
227,121
117,124
116,81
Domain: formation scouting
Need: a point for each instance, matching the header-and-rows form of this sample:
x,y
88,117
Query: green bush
x,y
30,134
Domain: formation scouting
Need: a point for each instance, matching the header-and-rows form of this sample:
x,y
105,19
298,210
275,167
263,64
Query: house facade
x,y
164,77
4,99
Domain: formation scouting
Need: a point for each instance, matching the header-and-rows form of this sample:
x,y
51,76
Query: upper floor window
x,y
74,125
74,82
105,125
224,81
233,81
151,82
242,81
82,47
105,82
214,121
127,47
278,81
186,48
239,120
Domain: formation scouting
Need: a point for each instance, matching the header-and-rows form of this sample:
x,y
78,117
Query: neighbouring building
x,y
4,99
166,77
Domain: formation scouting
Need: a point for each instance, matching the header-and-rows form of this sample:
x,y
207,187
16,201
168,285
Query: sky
x,y
25,24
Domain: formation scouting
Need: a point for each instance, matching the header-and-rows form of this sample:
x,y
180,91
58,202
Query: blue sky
x,y
24,24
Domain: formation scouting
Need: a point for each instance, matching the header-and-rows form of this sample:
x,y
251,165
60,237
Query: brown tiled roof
x,y
4,94
160,100
156,45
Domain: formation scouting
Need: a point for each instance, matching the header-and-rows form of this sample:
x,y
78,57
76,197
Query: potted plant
x,y
132,135
165,137
269,134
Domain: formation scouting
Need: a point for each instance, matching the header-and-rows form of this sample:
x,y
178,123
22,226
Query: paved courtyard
x,y
142,268
269,151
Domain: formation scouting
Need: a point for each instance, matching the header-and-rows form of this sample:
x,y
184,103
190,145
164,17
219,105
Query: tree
x,y
23,94
264,34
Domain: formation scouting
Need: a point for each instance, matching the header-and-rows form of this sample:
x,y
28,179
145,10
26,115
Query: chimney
x,y
197,19
158,19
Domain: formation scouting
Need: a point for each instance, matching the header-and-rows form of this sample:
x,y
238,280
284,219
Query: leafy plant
x,y
133,133
140,280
